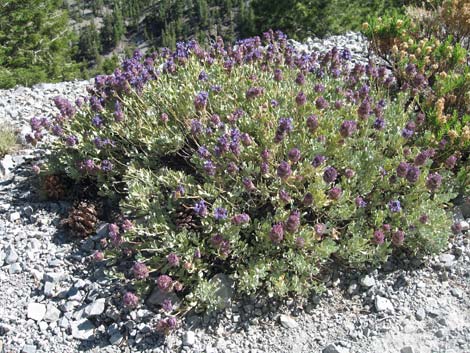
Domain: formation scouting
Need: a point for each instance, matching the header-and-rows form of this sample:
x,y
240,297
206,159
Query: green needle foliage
x,y
35,43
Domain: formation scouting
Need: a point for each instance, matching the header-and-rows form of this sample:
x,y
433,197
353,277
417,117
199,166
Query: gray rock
x,y
288,322
158,297
96,308
37,275
15,268
406,349
224,289
465,225
116,339
352,288
64,322
52,313
48,289
420,314
11,256
383,304
29,348
447,260
334,349
368,281
36,311
189,338
439,333
6,165
82,329
54,277
14,216
43,326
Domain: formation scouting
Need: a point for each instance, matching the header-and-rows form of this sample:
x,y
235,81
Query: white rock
x,y
383,304
82,329
96,308
12,256
14,216
464,225
29,348
14,268
189,338
52,313
6,165
368,281
287,321
36,311
334,349
37,275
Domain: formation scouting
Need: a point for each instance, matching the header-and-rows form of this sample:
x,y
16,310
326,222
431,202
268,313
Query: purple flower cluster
x,y
347,128
200,209
140,271
277,233
200,101
394,206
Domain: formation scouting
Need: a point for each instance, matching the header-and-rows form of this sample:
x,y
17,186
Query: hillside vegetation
x,y
56,40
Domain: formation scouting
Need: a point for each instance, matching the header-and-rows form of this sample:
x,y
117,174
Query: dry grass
x,y
7,139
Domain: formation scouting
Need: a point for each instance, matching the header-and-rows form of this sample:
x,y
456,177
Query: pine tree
x,y
89,45
35,42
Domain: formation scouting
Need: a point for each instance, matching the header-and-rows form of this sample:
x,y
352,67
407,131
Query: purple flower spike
x,y
200,101
379,237
330,175
277,233
164,283
106,165
294,155
307,200
209,168
321,103
130,300
412,174
398,237
335,193
200,209
300,79
320,229
312,123
318,160
402,169
173,260
284,170
450,162
394,206
347,128
360,203
293,222
423,219
301,99
248,184
433,182
220,213
240,219
140,271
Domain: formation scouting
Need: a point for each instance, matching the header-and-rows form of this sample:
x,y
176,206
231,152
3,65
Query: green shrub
x,y
256,162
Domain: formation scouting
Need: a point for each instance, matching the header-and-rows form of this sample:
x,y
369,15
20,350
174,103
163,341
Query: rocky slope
x,y
53,298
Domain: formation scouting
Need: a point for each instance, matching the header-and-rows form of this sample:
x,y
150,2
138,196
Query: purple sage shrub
x,y
238,164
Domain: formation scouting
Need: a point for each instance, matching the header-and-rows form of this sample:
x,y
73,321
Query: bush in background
x,y
424,50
